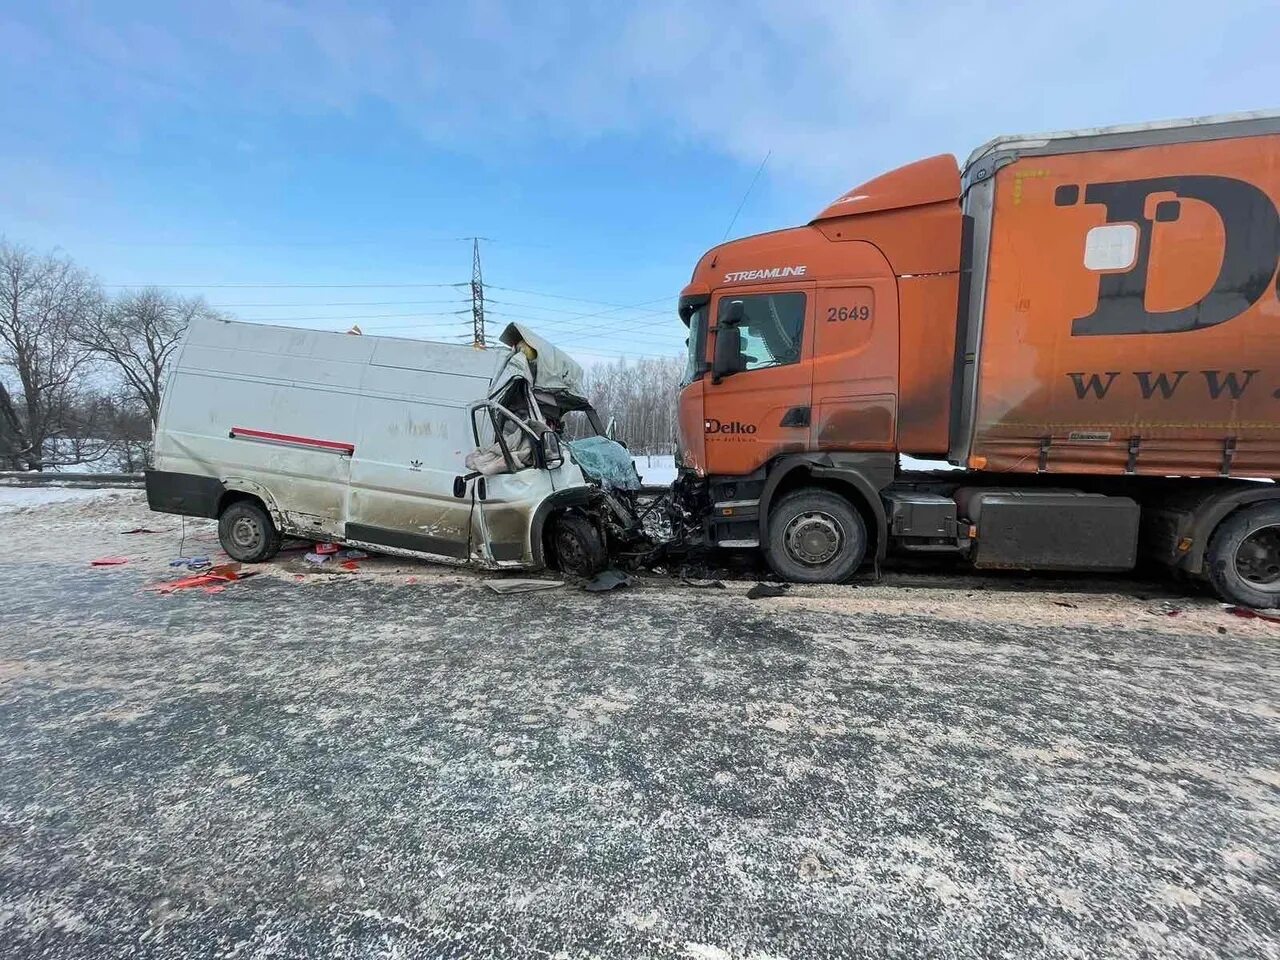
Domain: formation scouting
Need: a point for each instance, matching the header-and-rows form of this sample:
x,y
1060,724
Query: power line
x,y
525,305
338,303
558,296
743,202
347,316
234,244
286,286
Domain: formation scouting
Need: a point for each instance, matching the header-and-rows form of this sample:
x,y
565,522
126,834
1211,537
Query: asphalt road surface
x,y
398,762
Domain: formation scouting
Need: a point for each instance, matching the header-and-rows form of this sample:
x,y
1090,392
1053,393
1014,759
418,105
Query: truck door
x,y
855,366
764,409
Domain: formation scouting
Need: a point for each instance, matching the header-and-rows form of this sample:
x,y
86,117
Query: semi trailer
x,y
1084,323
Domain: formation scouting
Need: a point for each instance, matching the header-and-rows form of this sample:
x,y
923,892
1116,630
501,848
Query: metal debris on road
x,y
515,585
762,590
607,580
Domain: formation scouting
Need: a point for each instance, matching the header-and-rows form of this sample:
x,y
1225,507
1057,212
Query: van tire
x,y
1243,557
577,547
806,525
247,534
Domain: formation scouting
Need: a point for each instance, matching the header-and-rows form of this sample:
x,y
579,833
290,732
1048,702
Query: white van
x,y
434,450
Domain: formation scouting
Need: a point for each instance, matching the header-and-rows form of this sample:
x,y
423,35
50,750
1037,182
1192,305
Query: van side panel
x,y
285,413
265,380
412,437
1130,310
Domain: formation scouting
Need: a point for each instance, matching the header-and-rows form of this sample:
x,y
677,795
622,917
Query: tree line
x,y
82,370
638,397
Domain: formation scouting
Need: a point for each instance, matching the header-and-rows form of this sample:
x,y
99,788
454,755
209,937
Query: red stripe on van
x,y
334,445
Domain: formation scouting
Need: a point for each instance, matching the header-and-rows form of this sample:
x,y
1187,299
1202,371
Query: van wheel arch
x,y
540,527
236,489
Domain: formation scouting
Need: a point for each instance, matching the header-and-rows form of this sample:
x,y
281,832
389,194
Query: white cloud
x,y
836,89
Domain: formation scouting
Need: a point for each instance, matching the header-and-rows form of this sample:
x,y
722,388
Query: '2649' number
x,y
848,313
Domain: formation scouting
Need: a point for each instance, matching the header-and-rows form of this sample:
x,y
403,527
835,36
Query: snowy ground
x,y
18,498
397,762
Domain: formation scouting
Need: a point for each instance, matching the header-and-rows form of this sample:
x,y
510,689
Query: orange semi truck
x,y
1085,322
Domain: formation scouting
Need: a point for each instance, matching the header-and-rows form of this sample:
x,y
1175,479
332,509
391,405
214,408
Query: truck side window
x,y
772,328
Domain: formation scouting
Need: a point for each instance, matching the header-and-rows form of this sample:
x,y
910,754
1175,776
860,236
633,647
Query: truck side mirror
x,y
734,313
552,453
728,357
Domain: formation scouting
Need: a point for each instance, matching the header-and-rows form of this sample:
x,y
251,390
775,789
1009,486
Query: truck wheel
x,y
247,534
577,547
1243,557
815,536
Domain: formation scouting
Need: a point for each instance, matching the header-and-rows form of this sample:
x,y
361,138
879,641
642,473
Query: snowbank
x,y
20,498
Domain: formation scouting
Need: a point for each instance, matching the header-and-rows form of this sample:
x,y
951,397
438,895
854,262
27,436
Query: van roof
x,y
1217,127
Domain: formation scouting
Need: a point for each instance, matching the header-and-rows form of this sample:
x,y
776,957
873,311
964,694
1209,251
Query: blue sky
x,y
601,146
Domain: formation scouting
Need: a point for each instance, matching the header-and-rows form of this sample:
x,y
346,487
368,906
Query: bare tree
x,y
43,302
640,398
137,334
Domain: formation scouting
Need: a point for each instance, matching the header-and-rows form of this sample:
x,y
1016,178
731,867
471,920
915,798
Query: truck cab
x,y
815,354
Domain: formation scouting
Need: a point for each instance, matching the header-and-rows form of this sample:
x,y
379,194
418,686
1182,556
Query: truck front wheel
x,y
1243,557
815,536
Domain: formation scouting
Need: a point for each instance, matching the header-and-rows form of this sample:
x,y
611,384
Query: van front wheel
x,y
577,546
247,534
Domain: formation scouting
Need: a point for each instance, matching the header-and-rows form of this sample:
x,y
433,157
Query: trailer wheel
x,y
1243,557
815,536
577,546
247,534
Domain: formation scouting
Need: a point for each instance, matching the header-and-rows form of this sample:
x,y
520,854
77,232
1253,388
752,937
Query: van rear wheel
x,y
1243,557
247,534
815,536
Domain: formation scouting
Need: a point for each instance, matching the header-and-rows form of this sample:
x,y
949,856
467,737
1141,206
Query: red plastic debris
x,y
1249,614
350,565
326,548
213,577
108,561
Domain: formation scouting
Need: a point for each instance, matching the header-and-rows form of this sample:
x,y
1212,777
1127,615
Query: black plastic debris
x,y
607,580
762,590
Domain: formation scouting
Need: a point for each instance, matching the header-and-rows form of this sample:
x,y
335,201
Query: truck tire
x,y
1243,557
815,536
577,547
247,534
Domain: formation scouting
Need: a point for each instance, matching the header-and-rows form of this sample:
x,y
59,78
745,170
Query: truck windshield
x,y
696,343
